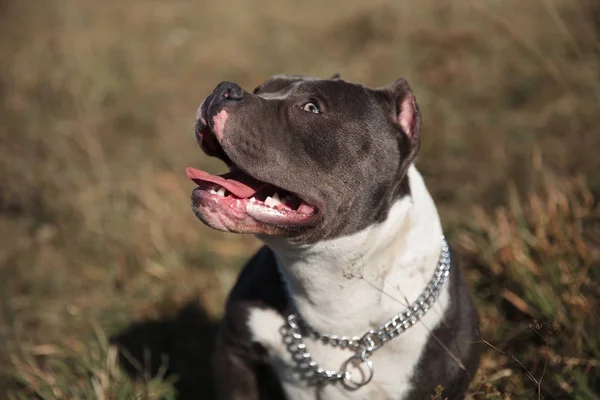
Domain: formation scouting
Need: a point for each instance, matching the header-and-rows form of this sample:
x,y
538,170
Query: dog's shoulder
x,y
259,283
258,287
258,294
257,298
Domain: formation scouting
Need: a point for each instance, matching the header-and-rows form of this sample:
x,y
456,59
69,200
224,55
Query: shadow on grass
x,y
178,348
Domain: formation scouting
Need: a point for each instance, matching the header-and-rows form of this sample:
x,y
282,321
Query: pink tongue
x,y
238,183
305,209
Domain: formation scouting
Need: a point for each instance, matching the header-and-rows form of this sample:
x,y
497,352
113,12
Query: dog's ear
x,y
405,114
405,111
336,76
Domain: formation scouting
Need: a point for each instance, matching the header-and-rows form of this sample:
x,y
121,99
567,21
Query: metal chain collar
x,y
296,329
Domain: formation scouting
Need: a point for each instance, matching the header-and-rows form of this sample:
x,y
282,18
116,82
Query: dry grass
x,y
537,278
99,245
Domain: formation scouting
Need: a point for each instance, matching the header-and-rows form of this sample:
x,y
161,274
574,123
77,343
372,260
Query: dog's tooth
x,y
252,200
221,192
270,201
212,191
273,201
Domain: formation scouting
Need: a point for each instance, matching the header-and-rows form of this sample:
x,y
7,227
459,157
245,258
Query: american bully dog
x,y
356,294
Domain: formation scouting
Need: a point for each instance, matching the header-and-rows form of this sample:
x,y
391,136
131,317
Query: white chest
x,y
394,364
350,285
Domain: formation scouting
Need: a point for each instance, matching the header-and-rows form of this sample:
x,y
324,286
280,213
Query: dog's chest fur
x,y
352,284
394,364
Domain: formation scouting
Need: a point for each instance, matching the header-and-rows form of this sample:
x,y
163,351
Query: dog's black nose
x,y
228,91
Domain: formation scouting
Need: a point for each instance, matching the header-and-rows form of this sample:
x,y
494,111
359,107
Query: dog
x,y
355,294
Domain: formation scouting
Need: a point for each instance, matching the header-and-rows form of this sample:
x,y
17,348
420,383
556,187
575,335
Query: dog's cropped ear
x,y
405,114
405,111
336,76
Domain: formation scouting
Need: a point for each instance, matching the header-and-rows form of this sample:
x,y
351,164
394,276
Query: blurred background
x,y
109,286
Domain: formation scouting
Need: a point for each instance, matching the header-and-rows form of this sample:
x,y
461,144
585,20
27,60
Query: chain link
x,y
296,329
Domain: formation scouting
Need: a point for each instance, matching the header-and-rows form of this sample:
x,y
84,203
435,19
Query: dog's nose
x,y
228,91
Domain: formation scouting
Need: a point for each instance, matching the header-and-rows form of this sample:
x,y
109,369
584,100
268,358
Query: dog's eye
x,y
311,107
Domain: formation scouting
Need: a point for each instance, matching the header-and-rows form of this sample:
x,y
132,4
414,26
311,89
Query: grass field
x,y
100,250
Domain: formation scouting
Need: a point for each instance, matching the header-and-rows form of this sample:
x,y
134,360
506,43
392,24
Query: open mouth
x,y
237,196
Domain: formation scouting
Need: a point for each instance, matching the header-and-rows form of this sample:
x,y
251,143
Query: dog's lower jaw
x,y
352,284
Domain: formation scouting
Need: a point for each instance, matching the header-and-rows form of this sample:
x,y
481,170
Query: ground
x,y
109,286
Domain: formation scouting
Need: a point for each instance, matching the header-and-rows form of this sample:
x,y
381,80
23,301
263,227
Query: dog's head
x,y
309,159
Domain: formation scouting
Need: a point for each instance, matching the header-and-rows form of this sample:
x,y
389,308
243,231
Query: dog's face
x,y
310,159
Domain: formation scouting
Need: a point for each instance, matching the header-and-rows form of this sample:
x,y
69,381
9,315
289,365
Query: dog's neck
x,y
351,284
